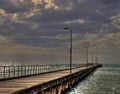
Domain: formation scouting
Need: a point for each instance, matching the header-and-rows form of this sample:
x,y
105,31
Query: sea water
x,y
105,80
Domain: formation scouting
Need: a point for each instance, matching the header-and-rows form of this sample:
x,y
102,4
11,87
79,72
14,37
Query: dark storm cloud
x,y
38,38
92,11
42,42
14,6
109,1
76,11
50,22
33,29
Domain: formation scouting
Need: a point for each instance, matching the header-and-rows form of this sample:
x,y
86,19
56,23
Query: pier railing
x,y
8,72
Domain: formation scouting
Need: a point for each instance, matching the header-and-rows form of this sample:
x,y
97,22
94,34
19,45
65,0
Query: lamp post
x,y
92,57
87,52
97,60
70,48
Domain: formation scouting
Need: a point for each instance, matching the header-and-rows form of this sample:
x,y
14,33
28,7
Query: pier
x,y
53,82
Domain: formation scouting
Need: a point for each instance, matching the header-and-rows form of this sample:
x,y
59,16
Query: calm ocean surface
x,y
105,80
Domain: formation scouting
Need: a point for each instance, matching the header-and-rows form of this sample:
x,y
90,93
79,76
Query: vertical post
x,y
25,70
92,57
70,48
96,60
9,71
21,70
18,71
113,90
87,55
33,69
14,71
4,72
38,68
71,54
87,52
28,70
43,68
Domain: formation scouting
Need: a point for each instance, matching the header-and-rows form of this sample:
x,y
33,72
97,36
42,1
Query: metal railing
x,y
7,72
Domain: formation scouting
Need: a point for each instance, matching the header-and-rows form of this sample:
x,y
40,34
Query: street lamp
x,y
92,57
70,48
87,52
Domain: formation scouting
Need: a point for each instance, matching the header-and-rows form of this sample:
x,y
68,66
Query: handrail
x,y
7,72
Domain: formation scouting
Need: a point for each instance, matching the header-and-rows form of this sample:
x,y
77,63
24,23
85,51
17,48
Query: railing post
x,y
4,72
18,71
28,70
25,69
42,68
13,71
38,68
35,69
21,70
9,71
32,68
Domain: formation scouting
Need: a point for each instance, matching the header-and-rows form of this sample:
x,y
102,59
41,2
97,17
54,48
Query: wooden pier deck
x,y
11,86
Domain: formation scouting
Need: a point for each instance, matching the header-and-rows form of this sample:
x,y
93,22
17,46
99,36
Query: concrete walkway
x,y
10,86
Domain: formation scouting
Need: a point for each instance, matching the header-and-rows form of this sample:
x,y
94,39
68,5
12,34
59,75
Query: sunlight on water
x,y
105,80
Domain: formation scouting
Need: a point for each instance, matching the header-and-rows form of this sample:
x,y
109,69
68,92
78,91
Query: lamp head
x,y
66,28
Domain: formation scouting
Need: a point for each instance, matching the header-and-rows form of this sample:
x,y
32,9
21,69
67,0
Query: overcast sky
x,y
32,31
